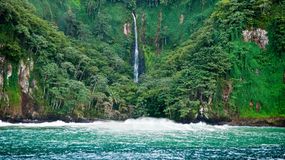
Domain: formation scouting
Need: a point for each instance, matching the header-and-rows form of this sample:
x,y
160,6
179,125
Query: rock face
x,y
2,61
227,91
121,113
2,96
181,19
4,99
24,76
127,29
202,114
259,36
16,103
279,122
109,112
9,71
24,73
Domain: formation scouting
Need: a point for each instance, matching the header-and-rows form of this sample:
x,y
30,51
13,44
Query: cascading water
x,y
136,55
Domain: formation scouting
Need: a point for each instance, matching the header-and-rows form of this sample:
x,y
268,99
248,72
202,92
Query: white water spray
x,y
136,64
140,124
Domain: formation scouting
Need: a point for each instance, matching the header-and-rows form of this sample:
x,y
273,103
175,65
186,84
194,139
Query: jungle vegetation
x,y
192,52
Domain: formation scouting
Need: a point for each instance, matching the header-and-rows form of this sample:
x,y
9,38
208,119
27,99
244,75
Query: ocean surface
x,y
144,138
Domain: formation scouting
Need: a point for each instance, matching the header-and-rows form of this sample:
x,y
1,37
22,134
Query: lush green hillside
x,y
74,59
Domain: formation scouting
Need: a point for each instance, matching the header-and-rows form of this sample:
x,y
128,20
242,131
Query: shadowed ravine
x,y
144,138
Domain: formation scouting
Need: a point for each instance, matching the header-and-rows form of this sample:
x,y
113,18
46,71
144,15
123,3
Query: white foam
x,y
44,124
152,124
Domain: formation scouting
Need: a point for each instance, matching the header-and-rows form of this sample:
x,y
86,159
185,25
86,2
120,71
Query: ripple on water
x,y
144,138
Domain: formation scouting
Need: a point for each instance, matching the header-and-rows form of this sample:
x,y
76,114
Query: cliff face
x,y
73,58
2,96
19,101
259,36
17,89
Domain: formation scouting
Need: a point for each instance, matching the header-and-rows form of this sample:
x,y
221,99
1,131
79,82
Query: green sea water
x,y
144,138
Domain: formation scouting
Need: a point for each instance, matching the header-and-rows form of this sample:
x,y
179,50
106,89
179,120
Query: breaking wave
x,y
152,124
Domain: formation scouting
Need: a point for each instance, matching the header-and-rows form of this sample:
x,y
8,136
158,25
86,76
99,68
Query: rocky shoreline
x,y
258,122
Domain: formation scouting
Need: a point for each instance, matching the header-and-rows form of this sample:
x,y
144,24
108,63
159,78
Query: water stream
x,y
136,54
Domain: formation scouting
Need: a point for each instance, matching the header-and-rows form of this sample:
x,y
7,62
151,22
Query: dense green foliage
x,y
193,52
201,71
71,74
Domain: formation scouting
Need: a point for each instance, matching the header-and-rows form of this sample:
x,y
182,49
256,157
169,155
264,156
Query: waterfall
x,y
136,55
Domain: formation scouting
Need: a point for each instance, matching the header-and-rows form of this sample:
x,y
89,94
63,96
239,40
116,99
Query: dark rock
x,y
278,122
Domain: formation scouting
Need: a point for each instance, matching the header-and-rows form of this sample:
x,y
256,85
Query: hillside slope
x,y
200,60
